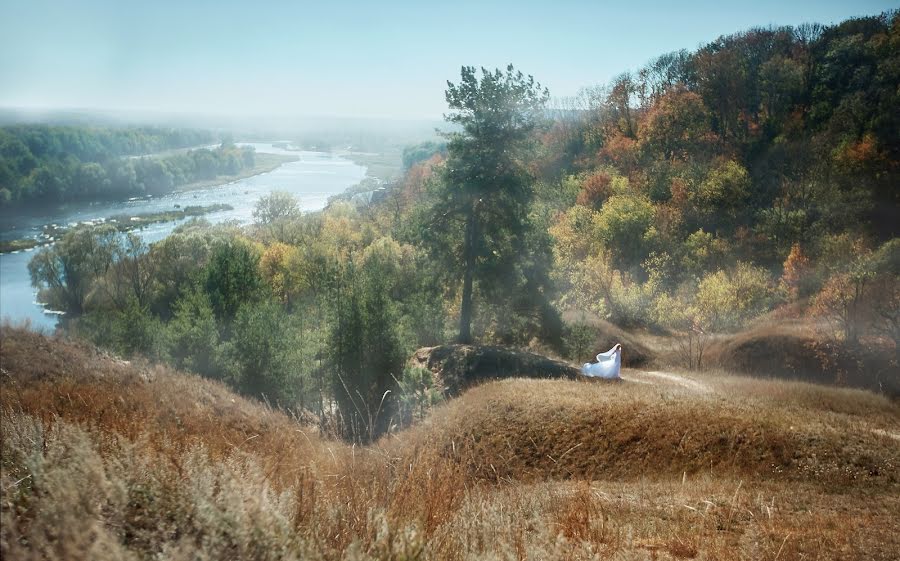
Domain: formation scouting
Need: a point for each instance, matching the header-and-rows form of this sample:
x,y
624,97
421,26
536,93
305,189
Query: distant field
x,y
104,458
264,164
386,165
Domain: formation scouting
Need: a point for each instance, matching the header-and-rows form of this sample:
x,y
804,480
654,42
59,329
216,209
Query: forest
x,y
49,165
753,179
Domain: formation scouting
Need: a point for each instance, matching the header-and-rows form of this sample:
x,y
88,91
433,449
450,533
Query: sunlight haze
x,y
360,59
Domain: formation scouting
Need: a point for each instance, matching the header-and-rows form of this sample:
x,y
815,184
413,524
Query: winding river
x,y
312,179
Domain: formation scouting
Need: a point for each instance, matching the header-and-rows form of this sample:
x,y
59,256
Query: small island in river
x,y
123,222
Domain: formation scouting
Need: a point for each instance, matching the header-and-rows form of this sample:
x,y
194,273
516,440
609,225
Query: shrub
x,y
417,394
262,355
193,336
726,300
626,226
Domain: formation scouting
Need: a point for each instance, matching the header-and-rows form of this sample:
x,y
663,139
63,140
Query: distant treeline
x,y
42,164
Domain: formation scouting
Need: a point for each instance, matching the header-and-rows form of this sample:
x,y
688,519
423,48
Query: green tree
x,y
275,206
275,213
722,194
133,274
136,331
263,353
365,349
885,266
700,252
626,225
479,218
417,153
233,278
69,268
178,261
193,336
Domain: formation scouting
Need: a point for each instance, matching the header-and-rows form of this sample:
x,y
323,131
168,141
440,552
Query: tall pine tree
x,y
479,218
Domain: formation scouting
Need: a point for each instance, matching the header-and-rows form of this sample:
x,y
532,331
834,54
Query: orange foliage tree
x,y
797,271
595,190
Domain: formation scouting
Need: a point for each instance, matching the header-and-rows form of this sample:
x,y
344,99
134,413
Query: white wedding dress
x,y
607,366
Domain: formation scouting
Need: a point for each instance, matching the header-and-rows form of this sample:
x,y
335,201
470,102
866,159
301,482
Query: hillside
x,y
105,459
786,351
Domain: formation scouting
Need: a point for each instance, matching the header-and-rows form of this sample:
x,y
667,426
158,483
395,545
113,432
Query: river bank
x,y
122,222
312,177
264,164
386,166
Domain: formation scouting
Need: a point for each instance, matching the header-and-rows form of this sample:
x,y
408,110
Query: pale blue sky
x,y
384,59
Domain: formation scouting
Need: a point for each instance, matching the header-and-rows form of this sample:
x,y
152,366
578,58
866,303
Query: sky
x,y
380,59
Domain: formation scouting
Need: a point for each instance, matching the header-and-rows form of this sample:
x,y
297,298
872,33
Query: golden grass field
x,y
103,459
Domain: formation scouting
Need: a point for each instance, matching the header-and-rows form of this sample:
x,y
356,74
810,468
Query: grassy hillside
x,y
796,351
103,459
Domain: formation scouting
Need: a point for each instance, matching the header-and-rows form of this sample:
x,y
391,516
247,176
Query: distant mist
x,y
329,130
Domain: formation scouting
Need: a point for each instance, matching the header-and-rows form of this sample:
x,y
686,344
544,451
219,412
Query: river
x,y
314,178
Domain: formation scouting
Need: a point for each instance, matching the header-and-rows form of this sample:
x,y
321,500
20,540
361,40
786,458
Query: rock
x,y
457,367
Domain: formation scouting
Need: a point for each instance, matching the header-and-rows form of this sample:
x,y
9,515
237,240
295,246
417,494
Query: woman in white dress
x,y
607,366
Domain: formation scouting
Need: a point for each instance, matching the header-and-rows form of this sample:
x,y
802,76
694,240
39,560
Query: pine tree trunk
x,y
465,314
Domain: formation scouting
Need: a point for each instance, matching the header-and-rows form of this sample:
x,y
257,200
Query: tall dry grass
x,y
106,460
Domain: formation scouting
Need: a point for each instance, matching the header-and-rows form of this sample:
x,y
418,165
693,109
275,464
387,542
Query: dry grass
x,y
105,460
529,430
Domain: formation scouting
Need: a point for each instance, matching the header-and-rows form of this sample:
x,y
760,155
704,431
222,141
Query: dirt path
x,y
887,433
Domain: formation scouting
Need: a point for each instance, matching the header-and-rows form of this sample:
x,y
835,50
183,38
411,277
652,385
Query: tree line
x,y
680,194
41,164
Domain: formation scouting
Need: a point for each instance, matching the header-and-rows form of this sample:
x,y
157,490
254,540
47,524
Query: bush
x,y
365,350
417,394
262,354
727,300
193,336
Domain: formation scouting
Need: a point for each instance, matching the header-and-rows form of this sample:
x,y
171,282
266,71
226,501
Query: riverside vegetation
x,y
121,222
44,165
731,202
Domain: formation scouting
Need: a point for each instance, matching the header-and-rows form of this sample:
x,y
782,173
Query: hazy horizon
x,y
353,60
